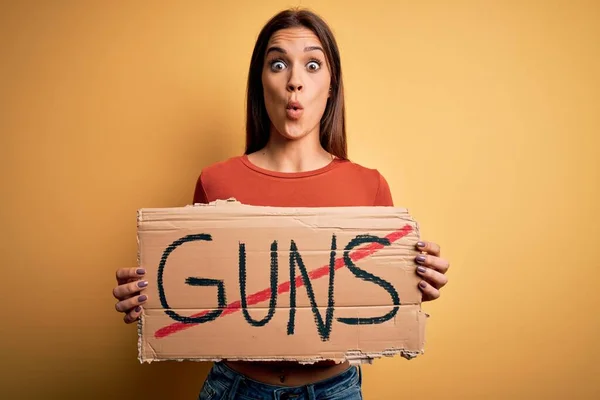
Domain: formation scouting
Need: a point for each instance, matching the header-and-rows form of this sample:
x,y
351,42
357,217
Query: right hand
x,y
129,285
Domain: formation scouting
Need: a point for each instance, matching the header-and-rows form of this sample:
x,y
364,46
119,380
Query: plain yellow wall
x,y
484,117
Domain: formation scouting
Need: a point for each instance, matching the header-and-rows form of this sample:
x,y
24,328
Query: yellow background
x,y
484,117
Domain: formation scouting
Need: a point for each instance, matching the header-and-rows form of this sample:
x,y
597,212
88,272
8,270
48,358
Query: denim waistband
x,y
350,376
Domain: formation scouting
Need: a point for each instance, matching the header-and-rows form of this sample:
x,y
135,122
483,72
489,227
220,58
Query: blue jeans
x,y
223,383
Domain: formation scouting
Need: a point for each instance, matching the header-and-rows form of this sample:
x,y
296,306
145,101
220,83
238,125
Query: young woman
x,y
295,156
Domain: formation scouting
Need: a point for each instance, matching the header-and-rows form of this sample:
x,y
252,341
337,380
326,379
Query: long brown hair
x,y
333,122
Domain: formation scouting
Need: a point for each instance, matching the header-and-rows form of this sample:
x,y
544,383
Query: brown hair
x,y
333,123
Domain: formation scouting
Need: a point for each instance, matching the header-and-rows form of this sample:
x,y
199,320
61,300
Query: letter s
x,y
362,274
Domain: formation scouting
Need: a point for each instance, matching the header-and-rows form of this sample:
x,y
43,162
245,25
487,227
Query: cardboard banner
x,y
239,282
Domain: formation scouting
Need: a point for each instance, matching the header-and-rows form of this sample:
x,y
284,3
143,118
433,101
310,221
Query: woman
x,y
295,156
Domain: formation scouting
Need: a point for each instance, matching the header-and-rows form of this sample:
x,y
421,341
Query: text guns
x,y
323,323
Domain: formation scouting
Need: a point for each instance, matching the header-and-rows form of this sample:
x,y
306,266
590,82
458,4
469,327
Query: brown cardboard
x,y
192,253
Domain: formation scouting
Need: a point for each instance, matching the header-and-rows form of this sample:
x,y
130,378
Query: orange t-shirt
x,y
340,183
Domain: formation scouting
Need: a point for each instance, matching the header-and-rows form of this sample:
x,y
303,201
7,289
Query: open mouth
x,y
294,105
294,110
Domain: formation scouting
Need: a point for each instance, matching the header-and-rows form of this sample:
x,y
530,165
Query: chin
x,y
294,134
292,131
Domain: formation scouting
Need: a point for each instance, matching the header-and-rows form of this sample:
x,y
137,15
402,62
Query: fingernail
x,y
140,271
142,284
420,244
423,284
421,269
138,308
142,298
420,258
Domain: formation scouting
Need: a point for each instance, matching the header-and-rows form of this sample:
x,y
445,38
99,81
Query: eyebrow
x,y
306,49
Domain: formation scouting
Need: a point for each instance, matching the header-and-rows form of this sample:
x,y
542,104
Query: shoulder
x,y
371,179
222,169
360,169
215,174
365,175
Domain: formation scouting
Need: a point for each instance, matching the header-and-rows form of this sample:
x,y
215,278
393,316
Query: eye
x,y
277,65
314,65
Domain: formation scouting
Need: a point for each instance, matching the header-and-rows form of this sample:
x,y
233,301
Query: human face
x,y
296,80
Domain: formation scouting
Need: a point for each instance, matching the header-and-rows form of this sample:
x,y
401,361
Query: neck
x,y
300,155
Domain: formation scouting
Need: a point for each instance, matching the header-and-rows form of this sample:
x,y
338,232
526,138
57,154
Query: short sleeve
x,y
383,196
199,192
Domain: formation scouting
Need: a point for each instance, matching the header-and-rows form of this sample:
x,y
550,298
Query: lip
x,y
294,110
294,104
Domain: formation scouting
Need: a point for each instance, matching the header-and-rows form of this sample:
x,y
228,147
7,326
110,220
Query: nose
x,y
293,86
294,83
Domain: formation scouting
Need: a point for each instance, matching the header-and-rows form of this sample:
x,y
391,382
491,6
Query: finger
x,y
124,274
437,263
133,315
429,292
127,304
433,277
429,247
127,290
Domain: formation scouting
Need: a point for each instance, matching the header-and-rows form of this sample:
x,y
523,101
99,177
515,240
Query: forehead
x,y
294,37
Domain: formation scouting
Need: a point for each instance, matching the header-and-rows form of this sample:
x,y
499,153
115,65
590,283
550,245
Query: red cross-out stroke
x,y
265,294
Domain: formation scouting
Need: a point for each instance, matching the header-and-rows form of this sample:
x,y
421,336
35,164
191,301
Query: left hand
x,y
432,269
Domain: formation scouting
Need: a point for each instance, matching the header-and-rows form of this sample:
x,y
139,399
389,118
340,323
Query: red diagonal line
x,y
265,294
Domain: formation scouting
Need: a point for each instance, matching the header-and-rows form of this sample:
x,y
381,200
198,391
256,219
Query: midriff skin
x,y
294,374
